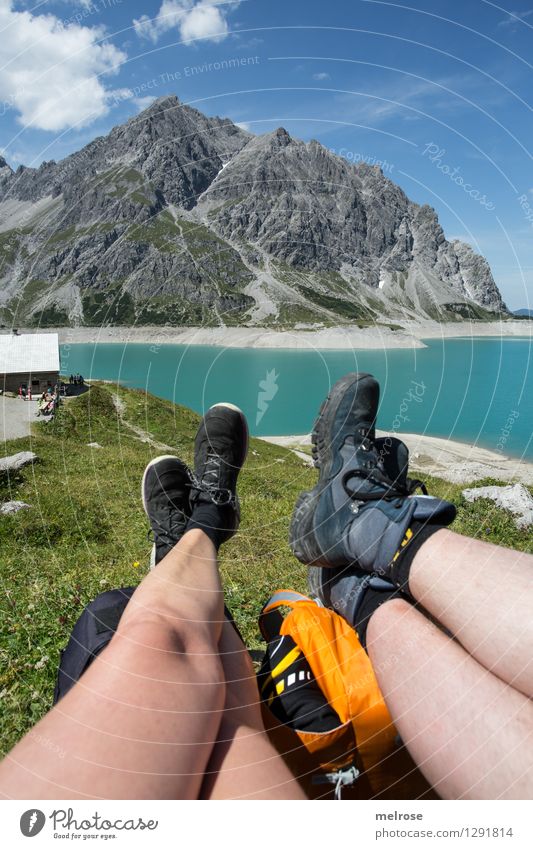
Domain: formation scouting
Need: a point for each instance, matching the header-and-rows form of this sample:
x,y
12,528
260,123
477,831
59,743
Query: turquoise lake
x,y
474,390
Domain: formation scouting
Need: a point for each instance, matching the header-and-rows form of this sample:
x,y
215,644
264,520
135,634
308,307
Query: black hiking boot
x,y
362,508
342,589
220,449
165,493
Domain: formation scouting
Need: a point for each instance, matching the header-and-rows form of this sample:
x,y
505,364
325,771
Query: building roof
x,y
29,352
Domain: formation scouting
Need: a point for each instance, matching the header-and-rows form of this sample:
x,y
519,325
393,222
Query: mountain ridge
x,y
178,218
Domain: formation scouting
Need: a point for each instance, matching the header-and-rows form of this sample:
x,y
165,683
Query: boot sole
x,y
244,422
150,465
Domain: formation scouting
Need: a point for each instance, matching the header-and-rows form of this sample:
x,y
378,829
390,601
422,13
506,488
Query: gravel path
x,y
16,417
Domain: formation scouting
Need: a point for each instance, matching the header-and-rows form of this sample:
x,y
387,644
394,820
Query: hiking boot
x,y
342,589
220,449
165,495
362,508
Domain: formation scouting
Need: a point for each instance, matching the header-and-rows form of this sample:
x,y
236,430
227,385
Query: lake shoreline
x,y
340,338
453,461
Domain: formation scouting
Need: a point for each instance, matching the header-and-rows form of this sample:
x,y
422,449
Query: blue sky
x,y
438,92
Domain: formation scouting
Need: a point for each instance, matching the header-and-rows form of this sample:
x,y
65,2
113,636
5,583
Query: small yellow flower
x,y
136,564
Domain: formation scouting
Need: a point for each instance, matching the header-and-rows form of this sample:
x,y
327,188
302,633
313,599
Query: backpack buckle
x,y
342,778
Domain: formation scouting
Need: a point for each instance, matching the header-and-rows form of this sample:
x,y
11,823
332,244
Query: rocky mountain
x,y
178,218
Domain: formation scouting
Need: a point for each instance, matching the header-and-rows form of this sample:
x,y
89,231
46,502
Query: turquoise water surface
x,y
474,390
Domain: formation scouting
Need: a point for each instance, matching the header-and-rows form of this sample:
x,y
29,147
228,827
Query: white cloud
x,y
244,125
204,22
195,19
321,76
514,18
50,73
143,102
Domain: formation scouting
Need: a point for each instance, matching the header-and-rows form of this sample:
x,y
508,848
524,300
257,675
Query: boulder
x,y
17,461
10,507
516,499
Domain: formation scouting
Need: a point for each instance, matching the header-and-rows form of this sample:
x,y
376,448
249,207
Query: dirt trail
x,y
140,434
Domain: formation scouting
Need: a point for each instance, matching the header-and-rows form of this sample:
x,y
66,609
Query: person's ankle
x,y
215,522
416,547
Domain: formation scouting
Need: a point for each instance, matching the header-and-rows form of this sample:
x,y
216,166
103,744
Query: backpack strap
x,y
270,619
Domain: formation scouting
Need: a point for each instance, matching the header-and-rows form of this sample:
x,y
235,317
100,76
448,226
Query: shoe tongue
x,y
359,464
393,459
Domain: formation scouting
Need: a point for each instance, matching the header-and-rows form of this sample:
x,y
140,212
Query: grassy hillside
x,y
87,532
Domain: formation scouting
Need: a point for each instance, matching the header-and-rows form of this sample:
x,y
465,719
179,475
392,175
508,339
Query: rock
x,y
189,210
516,499
93,445
10,507
17,461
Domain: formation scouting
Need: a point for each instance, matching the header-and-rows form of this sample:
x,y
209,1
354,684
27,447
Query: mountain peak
x,y
167,101
274,140
282,136
151,210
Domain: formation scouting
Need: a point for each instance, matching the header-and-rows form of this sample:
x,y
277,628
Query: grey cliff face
x,y
178,217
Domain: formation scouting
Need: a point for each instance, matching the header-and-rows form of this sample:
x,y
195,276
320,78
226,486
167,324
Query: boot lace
x,y
389,490
210,482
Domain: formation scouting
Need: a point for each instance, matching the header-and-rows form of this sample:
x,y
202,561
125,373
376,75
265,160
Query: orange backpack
x,y
362,752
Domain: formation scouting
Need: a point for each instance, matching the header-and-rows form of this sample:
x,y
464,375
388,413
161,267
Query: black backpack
x,y
91,634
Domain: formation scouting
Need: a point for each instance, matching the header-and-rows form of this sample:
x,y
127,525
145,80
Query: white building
x,y
29,360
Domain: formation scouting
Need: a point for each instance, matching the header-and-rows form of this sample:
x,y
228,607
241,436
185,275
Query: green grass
x,y
62,236
342,307
292,313
201,241
166,310
111,306
161,231
470,311
51,316
86,530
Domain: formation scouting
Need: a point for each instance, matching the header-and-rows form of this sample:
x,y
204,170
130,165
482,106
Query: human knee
x,y
183,638
385,623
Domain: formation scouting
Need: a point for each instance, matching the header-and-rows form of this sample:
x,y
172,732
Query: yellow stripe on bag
x,y
282,666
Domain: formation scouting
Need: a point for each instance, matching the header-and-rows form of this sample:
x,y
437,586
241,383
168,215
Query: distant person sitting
x,y
43,403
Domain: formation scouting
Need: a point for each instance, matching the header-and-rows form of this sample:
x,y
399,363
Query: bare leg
x,y
483,594
143,720
469,732
244,764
